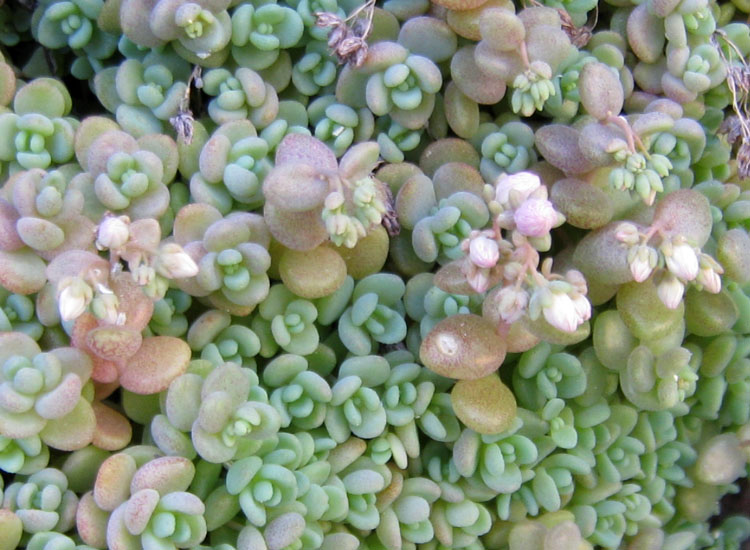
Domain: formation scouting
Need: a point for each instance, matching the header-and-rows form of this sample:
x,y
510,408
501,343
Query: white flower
x,y
562,305
583,307
642,260
708,276
113,232
535,217
74,296
523,183
682,260
484,251
512,303
627,233
709,280
562,312
477,277
174,263
670,291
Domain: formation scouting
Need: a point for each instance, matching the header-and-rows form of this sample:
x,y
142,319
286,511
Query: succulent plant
x,y
144,93
57,24
241,95
231,255
297,274
42,392
43,502
232,166
261,30
38,133
198,31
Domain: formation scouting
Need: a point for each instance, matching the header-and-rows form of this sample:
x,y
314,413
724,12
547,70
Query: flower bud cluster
x,y
672,260
521,207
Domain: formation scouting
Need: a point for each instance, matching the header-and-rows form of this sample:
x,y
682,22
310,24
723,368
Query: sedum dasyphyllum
x,y
299,276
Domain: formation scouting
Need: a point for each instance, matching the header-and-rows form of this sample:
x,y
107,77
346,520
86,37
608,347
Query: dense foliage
x,y
413,275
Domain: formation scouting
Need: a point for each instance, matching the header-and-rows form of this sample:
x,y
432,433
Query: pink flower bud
x,y
523,183
583,307
478,278
484,252
113,232
512,303
535,217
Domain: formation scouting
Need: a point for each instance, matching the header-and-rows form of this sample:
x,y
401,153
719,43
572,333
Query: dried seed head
x,y
738,78
361,27
353,49
182,123
743,160
337,35
327,19
732,128
390,218
579,36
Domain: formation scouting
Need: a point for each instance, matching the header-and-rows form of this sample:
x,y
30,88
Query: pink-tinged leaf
x,y
114,343
214,157
91,522
22,271
295,187
302,149
61,400
192,221
40,234
13,402
113,431
9,239
105,372
160,360
79,235
296,230
166,474
85,323
138,510
118,536
73,263
284,530
136,306
186,503
105,146
112,486
75,361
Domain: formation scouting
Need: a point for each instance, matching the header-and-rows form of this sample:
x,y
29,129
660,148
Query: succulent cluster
x,y
361,275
